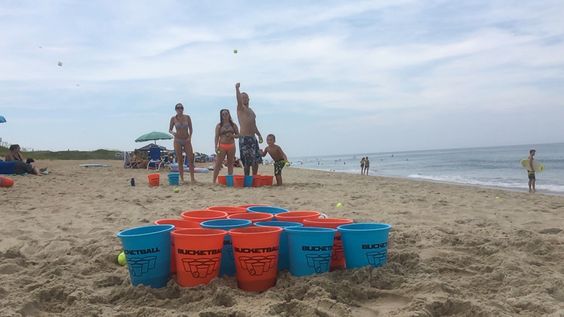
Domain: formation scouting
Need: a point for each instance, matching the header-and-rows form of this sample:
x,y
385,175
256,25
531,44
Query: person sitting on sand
x,y
182,140
138,160
531,171
278,156
22,166
225,133
248,145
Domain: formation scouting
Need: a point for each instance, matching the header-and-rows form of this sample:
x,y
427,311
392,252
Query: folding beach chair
x,y
155,161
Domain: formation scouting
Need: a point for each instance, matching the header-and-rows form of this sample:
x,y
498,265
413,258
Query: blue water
x,y
490,167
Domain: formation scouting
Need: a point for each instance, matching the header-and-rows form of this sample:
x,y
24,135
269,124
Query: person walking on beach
x,y
248,146
531,171
182,140
278,156
366,165
362,166
225,133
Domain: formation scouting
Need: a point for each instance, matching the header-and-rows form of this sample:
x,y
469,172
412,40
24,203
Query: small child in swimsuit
x,y
279,157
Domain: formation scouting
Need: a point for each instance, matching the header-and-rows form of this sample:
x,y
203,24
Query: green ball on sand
x,y
339,205
121,259
176,190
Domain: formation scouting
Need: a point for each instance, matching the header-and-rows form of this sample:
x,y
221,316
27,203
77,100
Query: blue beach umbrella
x,y
2,119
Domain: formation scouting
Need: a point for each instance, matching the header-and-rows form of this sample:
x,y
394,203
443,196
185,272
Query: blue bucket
x,y
248,182
173,179
365,244
268,209
229,180
227,259
283,257
310,249
147,251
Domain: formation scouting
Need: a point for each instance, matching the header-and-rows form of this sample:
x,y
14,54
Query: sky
x,y
326,77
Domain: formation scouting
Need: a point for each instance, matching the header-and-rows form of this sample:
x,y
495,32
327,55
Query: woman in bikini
x,y
182,140
225,133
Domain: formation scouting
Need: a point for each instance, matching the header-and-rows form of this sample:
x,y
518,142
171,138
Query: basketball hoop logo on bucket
x,y
201,268
257,265
140,266
377,257
319,262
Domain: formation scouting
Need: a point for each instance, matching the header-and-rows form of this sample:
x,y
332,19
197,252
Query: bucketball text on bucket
x,y
198,252
256,250
375,245
143,251
317,248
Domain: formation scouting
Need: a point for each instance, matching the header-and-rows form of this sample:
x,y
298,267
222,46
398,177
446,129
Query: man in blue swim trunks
x,y
248,145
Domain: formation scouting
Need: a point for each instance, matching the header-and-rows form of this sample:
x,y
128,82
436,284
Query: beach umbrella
x,y
154,136
2,119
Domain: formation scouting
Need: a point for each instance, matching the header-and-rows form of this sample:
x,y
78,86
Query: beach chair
x,y
155,161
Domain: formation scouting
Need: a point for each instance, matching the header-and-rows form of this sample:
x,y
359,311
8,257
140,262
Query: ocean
x,y
487,166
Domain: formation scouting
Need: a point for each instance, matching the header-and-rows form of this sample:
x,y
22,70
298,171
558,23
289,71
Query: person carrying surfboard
x,y
531,171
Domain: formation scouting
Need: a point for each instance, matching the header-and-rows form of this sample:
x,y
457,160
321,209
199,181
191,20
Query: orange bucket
x,y
229,210
222,180
8,182
154,179
338,256
252,216
256,256
266,180
202,215
238,181
298,216
178,224
257,181
198,255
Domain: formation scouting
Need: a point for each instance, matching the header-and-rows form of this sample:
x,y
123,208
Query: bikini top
x,y
225,130
180,125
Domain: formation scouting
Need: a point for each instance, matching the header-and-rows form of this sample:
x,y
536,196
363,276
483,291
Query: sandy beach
x,y
454,250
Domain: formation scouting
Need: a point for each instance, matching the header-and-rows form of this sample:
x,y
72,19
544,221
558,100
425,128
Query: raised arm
x,y
238,96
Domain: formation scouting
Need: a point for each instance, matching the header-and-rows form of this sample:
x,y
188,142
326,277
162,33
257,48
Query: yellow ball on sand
x,y
121,259
176,190
339,205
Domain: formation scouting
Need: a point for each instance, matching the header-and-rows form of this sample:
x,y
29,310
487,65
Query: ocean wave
x,y
510,185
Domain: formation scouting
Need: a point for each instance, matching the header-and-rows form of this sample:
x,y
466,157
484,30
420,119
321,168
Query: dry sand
x,y
454,250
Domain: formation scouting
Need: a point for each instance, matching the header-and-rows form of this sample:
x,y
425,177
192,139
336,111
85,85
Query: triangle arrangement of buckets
x,y
251,242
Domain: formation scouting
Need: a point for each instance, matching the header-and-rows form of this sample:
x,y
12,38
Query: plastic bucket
x,y
310,250
222,180
229,180
6,182
198,255
248,181
147,252
203,215
283,258
178,224
298,216
229,210
227,260
266,180
256,257
173,179
365,244
267,209
257,181
338,256
238,181
252,216
154,179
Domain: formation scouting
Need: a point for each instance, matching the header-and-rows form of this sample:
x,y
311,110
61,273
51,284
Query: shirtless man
x,y
248,145
531,172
